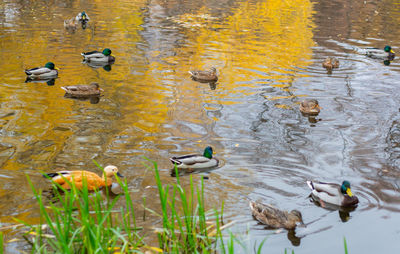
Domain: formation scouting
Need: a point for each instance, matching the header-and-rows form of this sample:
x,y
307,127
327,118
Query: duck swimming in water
x,y
93,181
205,76
49,71
196,161
386,54
310,107
330,63
333,193
98,57
275,218
83,90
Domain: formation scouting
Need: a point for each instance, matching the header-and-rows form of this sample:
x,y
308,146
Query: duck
x,y
82,17
83,90
330,63
98,57
70,24
310,107
49,71
275,218
386,54
207,76
196,161
93,181
333,193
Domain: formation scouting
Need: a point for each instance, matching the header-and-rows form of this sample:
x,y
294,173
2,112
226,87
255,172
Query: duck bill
x,y
57,68
118,174
391,51
348,191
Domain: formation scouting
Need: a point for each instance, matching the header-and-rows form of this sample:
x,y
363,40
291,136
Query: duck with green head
x,y
82,17
49,71
275,218
333,193
196,161
98,57
386,54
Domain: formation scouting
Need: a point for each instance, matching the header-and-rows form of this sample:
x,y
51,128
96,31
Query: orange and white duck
x,y
77,178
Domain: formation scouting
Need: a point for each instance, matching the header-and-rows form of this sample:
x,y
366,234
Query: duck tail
x,y
191,73
174,160
64,88
311,185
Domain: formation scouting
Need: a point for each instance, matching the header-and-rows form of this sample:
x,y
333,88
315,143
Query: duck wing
x,y
190,159
93,54
82,88
268,214
37,71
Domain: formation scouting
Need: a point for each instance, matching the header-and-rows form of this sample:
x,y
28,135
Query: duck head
x,y
388,49
96,86
110,171
84,16
345,188
297,217
208,152
107,52
213,70
51,66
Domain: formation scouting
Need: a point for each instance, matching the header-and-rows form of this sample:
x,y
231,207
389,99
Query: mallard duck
x,y
196,161
310,107
70,24
210,75
333,193
99,57
83,90
386,54
49,71
275,218
93,181
330,63
82,17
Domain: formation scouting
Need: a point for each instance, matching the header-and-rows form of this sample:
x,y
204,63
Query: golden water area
x,y
268,56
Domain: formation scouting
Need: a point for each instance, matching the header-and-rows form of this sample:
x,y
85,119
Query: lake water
x,y
268,55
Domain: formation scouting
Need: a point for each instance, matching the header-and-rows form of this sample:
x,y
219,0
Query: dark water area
x,y
268,55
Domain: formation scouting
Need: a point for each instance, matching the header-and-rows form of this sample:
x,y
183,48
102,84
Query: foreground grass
x,y
85,222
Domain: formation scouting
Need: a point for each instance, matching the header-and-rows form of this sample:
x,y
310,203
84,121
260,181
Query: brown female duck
x,y
310,107
275,218
330,63
83,90
209,76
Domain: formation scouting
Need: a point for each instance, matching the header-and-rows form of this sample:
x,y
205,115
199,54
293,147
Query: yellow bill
x,y
348,191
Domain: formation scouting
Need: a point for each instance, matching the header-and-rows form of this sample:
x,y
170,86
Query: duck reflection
x,y
49,82
96,65
344,212
94,99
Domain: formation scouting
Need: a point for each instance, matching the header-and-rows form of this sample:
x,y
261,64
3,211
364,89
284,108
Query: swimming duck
x,y
99,57
333,193
196,161
70,24
83,90
210,75
310,107
330,63
49,71
93,181
386,54
82,17
275,218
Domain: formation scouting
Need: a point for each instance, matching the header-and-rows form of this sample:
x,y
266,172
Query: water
x,y
268,55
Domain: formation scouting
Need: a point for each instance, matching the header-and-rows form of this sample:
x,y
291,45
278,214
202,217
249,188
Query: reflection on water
x,y
268,55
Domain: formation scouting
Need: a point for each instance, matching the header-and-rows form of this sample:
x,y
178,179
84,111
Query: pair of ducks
x,y
64,178
332,193
387,54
